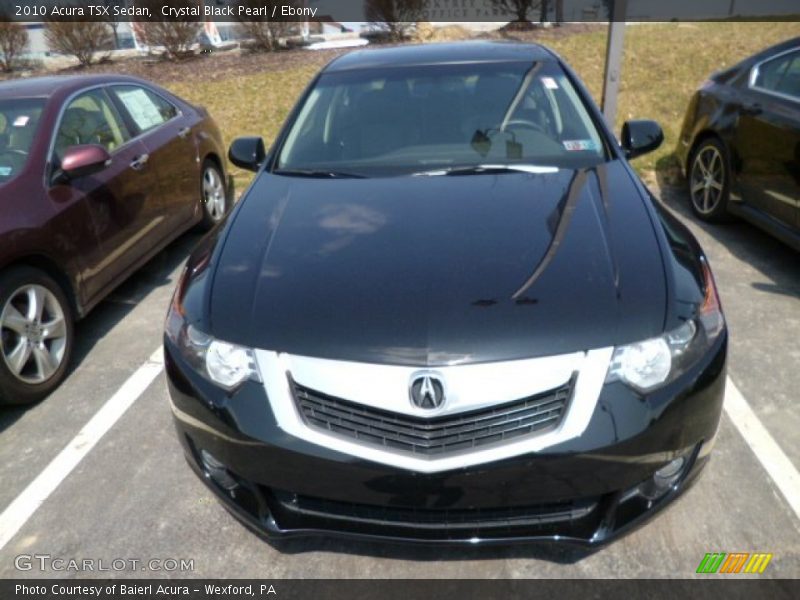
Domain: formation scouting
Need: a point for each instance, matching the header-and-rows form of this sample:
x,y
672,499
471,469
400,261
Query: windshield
x,y
423,118
19,119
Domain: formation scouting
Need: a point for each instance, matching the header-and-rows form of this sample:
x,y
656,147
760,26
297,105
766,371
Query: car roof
x,y
445,53
44,87
789,44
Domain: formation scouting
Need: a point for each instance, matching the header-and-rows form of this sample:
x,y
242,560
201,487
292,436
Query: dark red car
x,y
97,174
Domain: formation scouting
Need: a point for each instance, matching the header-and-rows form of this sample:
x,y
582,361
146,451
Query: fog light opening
x,y
667,475
217,472
663,480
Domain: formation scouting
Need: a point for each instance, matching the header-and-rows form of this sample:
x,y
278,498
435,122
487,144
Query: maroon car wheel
x,y
214,195
36,335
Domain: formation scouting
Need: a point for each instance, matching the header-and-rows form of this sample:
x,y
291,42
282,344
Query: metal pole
x,y
613,70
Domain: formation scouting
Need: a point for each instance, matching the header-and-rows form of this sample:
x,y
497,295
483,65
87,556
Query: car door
x,y
768,139
167,134
119,199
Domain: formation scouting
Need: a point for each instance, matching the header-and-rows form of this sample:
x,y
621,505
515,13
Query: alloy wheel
x,y
213,194
34,334
707,180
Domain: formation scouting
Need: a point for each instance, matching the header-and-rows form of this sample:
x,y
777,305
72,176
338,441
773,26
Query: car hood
x,y
435,270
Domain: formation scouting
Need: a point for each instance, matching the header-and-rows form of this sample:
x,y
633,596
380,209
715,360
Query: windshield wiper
x,y
489,169
319,173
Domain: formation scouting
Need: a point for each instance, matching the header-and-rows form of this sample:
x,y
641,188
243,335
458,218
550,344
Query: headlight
x,y
648,364
224,364
651,363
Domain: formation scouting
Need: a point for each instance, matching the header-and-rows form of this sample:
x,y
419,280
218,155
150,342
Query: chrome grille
x,y
436,436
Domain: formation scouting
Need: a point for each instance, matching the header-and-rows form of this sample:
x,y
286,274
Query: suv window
x,y
146,109
90,119
780,75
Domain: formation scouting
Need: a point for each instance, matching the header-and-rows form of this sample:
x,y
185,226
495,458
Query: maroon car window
x,y
19,120
90,119
146,109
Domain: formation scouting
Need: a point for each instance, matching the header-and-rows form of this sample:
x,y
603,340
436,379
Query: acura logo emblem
x,y
426,391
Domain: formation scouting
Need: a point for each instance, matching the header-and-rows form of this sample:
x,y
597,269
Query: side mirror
x,y
640,137
80,161
247,153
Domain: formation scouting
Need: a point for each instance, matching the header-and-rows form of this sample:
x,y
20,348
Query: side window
x,y
780,75
790,83
90,119
19,121
146,109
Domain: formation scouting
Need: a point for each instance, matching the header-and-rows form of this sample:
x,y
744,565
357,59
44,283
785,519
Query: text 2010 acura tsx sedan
x,y
447,310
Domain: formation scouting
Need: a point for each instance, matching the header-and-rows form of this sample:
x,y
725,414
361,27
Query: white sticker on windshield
x,y
21,121
578,145
5,171
549,83
141,108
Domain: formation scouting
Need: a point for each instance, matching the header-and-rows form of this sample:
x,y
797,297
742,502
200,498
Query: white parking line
x,y
22,508
764,446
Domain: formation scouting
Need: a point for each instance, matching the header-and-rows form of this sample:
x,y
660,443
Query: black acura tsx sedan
x,y
447,311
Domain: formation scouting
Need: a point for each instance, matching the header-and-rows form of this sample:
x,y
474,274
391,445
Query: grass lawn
x,y
664,64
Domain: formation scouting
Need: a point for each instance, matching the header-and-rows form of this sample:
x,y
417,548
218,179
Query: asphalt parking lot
x,y
133,497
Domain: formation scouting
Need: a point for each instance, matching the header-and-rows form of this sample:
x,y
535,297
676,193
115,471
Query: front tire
x,y
214,196
709,181
36,335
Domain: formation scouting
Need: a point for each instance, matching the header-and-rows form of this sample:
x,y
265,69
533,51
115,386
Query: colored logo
x,y
734,562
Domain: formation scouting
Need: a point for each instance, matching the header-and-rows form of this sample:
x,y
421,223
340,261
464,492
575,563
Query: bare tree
x,y
264,33
395,17
113,21
176,35
13,39
520,8
81,39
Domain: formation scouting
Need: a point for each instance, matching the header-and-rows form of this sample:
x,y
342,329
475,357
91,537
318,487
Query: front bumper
x,y
588,490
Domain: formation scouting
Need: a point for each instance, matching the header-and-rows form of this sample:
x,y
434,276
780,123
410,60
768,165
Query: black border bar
x,y
341,11
730,588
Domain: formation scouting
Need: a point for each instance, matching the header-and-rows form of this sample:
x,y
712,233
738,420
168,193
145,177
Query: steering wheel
x,y
525,124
